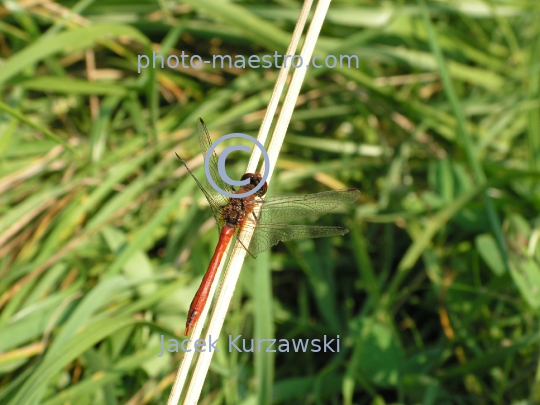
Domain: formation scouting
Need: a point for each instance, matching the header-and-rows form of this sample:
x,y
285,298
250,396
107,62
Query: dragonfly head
x,y
254,180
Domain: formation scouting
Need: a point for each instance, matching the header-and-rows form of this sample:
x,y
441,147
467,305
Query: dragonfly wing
x,y
284,209
265,237
205,142
216,208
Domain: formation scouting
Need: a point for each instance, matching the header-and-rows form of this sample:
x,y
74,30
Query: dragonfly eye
x,y
248,176
254,180
263,189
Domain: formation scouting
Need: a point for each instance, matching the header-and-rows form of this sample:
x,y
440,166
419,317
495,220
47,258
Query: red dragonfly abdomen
x,y
203,292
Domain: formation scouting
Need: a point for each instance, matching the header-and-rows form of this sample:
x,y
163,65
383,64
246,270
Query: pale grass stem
x,y
225,293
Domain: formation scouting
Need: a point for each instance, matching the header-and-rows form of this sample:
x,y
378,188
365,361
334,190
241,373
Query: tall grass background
x,y
104,238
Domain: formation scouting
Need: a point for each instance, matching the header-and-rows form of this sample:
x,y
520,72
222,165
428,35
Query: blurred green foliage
x,y
435,292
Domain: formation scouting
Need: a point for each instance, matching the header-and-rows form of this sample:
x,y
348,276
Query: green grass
x,y
435,292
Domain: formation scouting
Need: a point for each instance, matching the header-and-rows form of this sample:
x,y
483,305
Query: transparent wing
x,y
279,210
265,237
216,209
215,199
205,142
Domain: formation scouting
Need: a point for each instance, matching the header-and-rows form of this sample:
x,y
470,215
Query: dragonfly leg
x,y
255,217
244,246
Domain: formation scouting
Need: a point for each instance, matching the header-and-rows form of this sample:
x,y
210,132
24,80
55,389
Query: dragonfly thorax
x,y
237,209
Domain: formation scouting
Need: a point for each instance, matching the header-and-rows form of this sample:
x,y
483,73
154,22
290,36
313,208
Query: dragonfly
x,y
269,216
